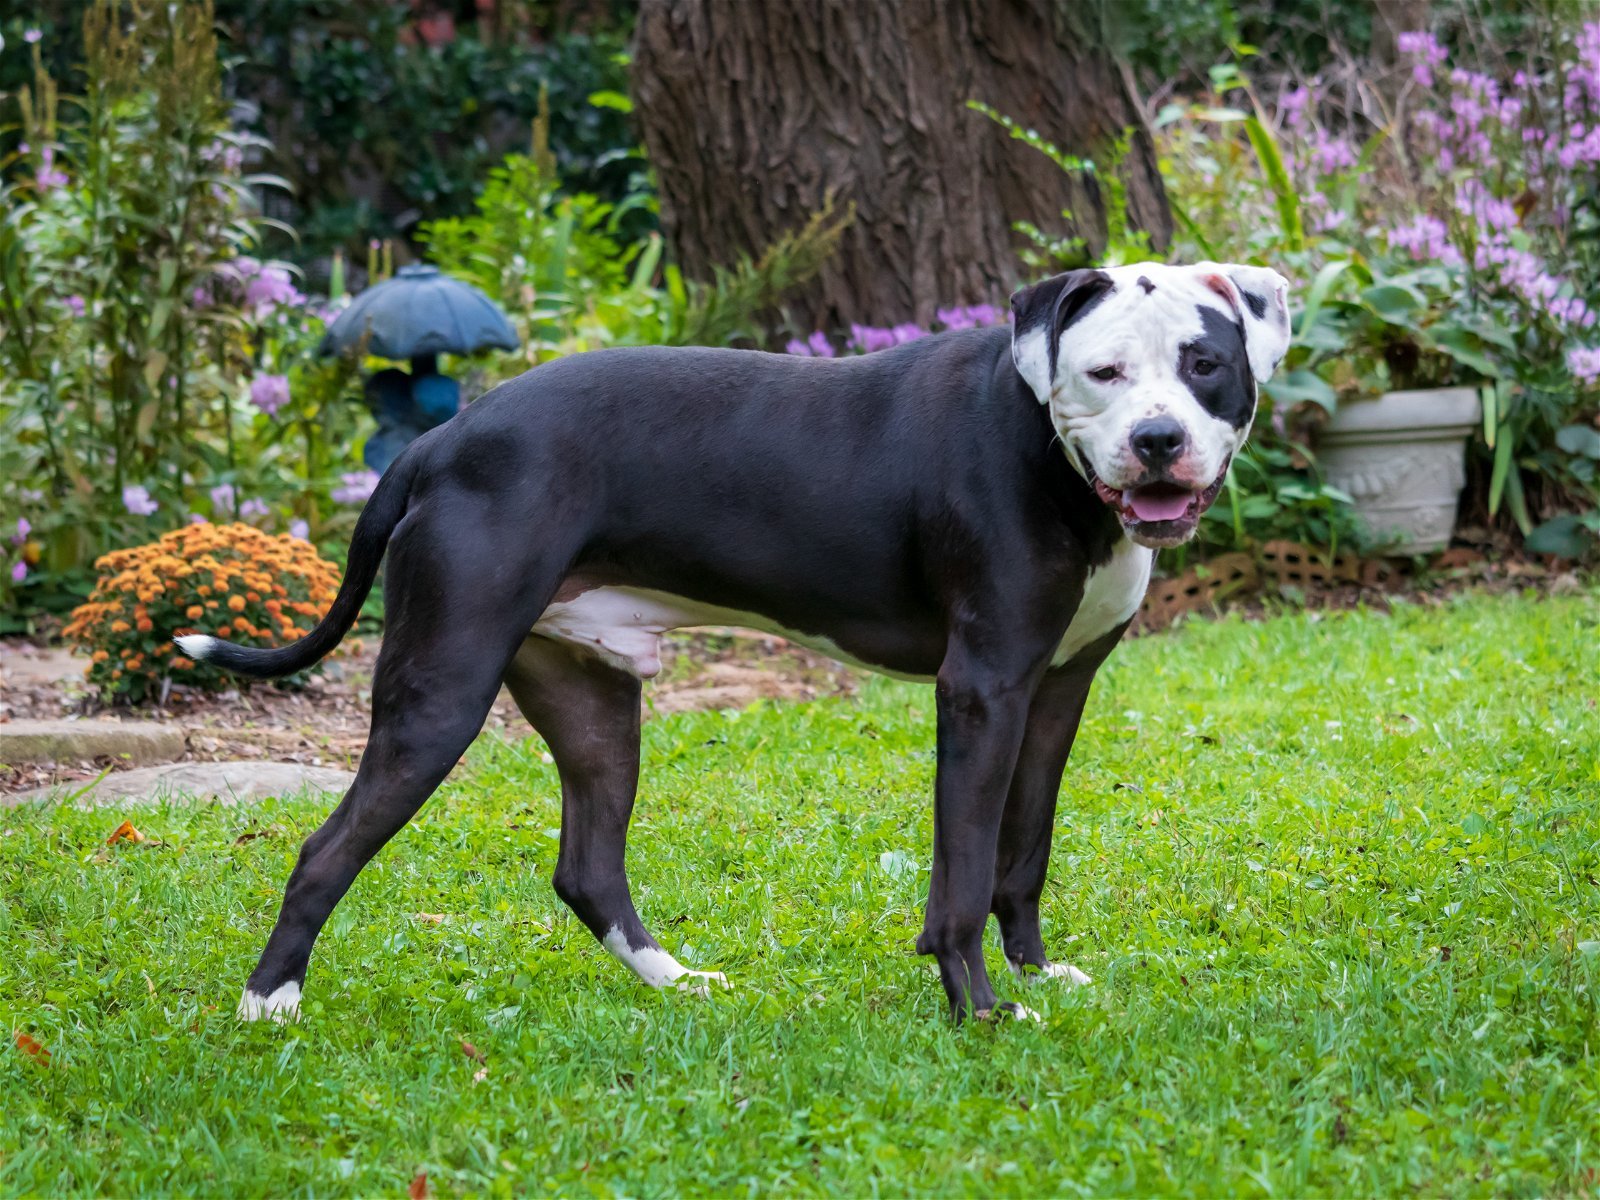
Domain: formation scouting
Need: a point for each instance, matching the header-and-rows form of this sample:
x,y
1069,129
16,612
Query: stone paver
x,y
229,782
74,741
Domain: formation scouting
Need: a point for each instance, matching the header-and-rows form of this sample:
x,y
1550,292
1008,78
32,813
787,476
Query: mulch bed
x,y
325,722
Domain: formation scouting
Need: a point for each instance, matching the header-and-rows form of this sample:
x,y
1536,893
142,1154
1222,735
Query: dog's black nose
x,y
1157,441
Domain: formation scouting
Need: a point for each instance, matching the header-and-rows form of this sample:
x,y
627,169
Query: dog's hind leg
x,y
447,643
588,714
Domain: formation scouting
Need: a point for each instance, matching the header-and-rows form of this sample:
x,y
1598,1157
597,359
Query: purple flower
x,y
75,305
136,500
1427,240
1293,106
32,35
253,508
1331,154
1584,363
796,346
19,571
868,338
299,529
224,499
1425,48
270,288
908,332
821,347
197,519
48,176
1330,220
358,485
24,527
269,393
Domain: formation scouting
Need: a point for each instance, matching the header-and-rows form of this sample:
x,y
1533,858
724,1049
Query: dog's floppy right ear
x,y
1040,313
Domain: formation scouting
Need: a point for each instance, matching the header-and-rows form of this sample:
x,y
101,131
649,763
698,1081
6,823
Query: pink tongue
x,y
1158,508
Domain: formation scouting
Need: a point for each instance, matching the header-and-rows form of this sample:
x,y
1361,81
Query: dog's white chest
x,y
1111,595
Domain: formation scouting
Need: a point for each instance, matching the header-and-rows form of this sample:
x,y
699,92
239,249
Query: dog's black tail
x,y
382,513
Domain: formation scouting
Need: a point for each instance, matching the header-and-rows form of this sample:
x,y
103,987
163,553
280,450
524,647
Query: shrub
x,y
231,581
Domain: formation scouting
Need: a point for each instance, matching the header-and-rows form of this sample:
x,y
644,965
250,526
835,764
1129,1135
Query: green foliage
x,y
1418,265
1339,921
1044,253
132,323
375,129
559,264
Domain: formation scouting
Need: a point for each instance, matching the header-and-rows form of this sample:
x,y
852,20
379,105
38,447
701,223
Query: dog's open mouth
x,y
1159,514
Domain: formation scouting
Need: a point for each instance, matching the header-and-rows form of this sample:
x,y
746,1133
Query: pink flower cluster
x,y
865,339
358,486
1427,51
1584,363
1426,239
269,393
259,288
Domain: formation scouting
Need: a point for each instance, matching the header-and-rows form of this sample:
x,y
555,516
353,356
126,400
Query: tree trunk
x,y
753,112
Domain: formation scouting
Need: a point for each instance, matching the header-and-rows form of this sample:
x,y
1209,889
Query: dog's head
x,y
1150,373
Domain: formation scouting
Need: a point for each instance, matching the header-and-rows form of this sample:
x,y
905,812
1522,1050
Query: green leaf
x,y
1564,536
1392,302
1283,189
1300,386
1502,466
1318,293
1467,350
1579,439
612,100
1517,503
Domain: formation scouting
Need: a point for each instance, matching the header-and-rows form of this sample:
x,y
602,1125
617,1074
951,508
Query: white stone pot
x,y
1402,458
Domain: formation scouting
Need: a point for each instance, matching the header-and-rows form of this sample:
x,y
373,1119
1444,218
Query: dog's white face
x,y
1150,374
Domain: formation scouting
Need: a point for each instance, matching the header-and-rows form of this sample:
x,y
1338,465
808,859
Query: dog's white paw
x,y
687,982
1017,1012
283,1005
1056,970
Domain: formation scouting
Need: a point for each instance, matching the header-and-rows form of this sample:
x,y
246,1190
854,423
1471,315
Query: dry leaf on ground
x,y
29,1046
125,832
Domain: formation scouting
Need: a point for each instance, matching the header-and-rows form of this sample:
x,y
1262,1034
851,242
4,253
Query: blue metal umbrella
x,y
419,313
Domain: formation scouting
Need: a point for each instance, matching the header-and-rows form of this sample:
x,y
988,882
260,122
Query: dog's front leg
x,y
982,712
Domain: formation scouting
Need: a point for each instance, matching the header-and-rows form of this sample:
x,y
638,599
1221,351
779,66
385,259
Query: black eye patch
x,y
1216,369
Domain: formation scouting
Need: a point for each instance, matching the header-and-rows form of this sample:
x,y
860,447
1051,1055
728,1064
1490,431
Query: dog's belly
x,y
1111,595
622,626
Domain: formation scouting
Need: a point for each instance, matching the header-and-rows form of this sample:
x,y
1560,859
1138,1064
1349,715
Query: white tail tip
x,y
196,645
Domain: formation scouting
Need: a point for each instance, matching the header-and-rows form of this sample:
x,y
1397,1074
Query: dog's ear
x,y
1040,313
1259,297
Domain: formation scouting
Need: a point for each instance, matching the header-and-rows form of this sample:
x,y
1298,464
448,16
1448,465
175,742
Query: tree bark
x,y
754,112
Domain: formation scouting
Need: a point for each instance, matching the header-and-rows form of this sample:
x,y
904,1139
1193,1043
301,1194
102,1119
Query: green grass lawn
x,y
1335,879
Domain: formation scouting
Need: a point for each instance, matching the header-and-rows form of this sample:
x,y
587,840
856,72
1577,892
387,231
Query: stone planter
x,y
1402,458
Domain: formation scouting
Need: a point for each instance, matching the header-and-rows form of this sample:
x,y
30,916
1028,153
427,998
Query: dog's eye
x,y
1105,374
1204,366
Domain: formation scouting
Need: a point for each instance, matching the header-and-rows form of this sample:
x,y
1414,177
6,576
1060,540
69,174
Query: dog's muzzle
x,y
1158,512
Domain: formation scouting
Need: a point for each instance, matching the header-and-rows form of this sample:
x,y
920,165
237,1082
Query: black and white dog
x,y
976,509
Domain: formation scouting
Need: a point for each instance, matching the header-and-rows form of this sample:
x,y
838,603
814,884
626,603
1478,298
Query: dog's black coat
x,y
911,506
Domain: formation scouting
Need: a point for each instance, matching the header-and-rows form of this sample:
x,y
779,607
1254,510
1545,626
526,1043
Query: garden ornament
x,y
977,509
419,314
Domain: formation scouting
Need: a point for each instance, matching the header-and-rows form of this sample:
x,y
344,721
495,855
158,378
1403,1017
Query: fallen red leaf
x,y
419,1187
472,1051
124,832
33,1049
